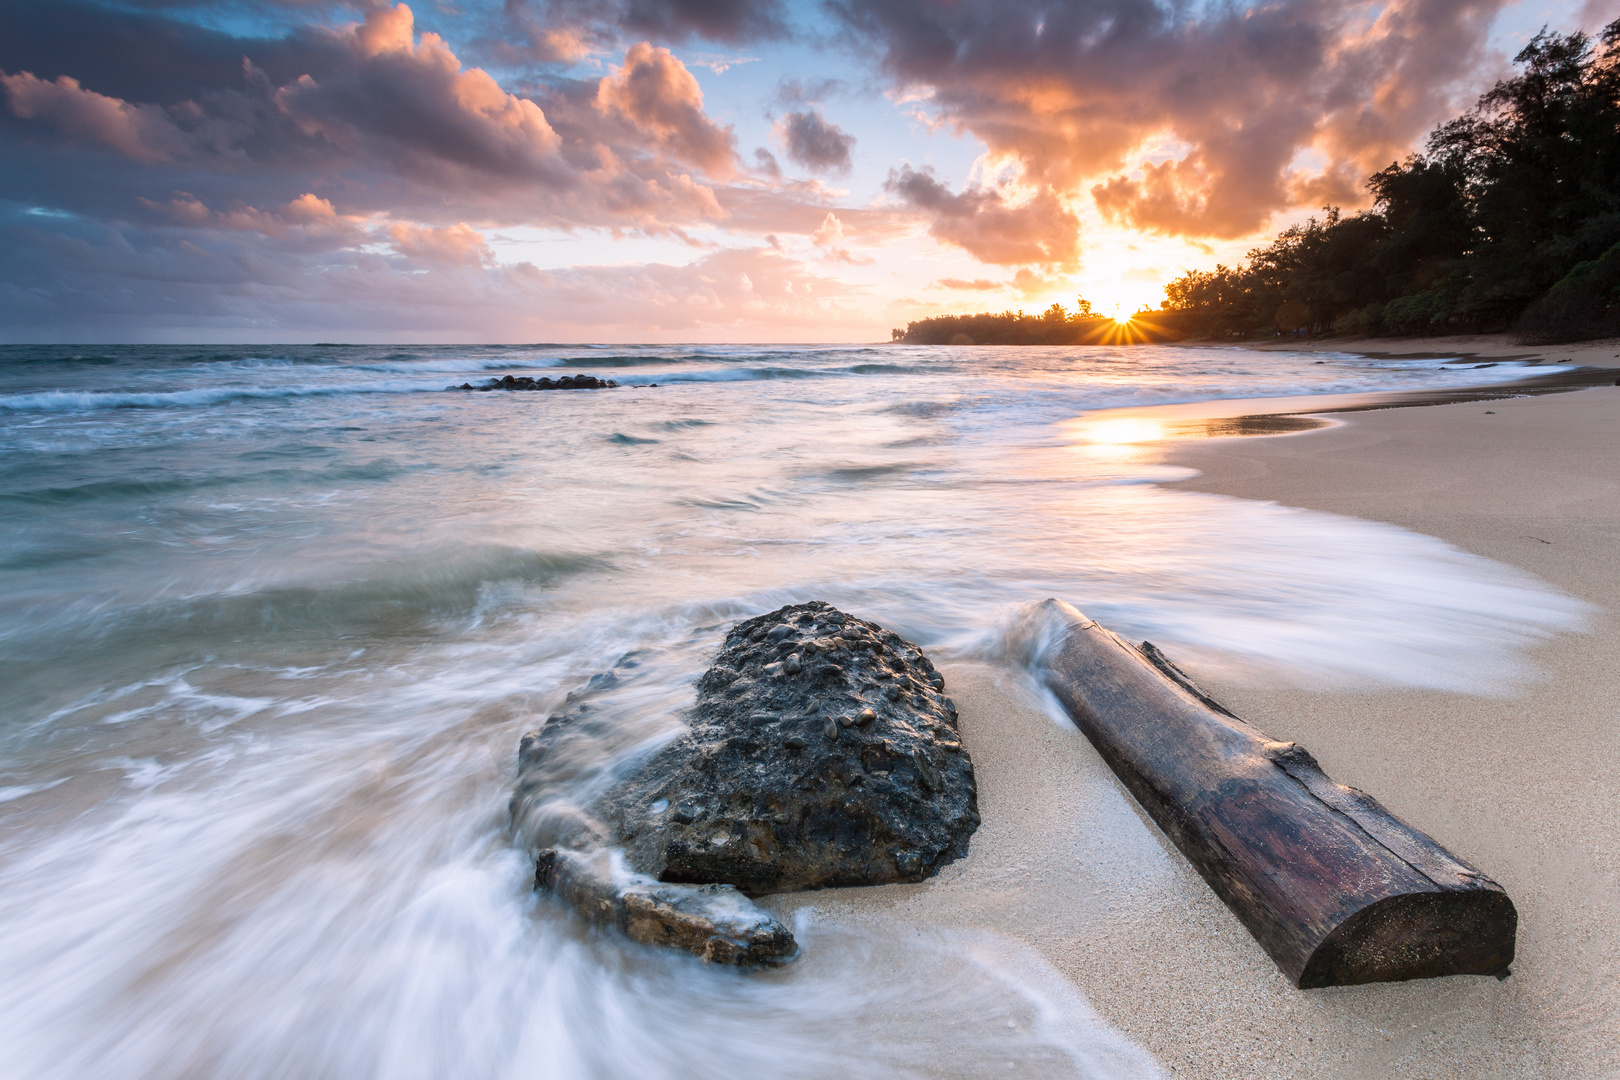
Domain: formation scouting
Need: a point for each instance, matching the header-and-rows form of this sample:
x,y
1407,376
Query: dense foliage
x,y
1510,218
1055,326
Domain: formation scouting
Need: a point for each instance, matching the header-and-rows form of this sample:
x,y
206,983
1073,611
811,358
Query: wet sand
x,y
1526,786
1480,348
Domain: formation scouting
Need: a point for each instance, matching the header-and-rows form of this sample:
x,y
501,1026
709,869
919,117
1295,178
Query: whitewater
x,y
274,619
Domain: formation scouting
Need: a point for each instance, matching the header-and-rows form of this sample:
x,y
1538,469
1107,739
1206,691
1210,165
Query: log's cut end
x,y
1333,886
1422,935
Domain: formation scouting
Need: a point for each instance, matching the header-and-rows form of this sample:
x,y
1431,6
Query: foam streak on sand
x,y
269,653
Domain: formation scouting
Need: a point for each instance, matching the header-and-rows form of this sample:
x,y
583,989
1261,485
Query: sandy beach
x,y
1523,784
1601,352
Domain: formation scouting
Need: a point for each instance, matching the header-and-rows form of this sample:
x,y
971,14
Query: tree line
x,y
1509,219
1055,326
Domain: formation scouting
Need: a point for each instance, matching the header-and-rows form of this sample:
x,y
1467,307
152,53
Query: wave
x,y
622,361
57,360
887,369
758,374
61,401
395,599
460,364
320,478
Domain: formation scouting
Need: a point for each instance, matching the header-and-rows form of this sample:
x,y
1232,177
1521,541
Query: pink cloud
x,y
456,245
985,224
1074,90
142,132
391,121
657,93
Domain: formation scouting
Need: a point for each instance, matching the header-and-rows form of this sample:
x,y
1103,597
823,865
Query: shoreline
x,y
1521,784
1284,415
1596,352
1525,784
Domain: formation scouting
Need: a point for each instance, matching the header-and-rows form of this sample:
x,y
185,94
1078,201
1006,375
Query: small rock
x,y
865,716
846,720
795,742
715,922
830,729
792,665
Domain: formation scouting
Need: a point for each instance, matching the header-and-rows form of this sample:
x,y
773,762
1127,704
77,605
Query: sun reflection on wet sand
x,y
1124,429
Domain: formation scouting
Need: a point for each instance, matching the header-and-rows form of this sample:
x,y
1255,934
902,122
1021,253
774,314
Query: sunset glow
x,y
663,171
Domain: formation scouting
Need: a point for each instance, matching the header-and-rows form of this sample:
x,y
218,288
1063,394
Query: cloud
x,y
984,223
766,163
409,101
962,285
716,20
1030,283
371,115
167,282
309,218
662,98
797,92
565,31
456,245
814,143
830,231
142,132
1079,92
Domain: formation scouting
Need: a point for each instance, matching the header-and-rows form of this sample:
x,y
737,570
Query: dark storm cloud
x,y
982,222
1072,89
814,143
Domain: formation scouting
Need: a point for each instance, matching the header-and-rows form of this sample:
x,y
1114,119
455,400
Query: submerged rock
x,y
822,751
713,921
525,382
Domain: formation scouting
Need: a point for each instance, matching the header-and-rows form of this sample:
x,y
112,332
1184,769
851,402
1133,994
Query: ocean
x,y
274,619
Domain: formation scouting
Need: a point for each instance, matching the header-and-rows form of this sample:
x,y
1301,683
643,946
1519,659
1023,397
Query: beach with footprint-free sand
x,y
1522,777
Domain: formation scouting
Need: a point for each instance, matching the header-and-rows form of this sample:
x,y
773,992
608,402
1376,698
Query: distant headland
x,y
1055,326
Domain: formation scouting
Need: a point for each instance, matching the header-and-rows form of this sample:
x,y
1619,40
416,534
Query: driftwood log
x,y
1334,887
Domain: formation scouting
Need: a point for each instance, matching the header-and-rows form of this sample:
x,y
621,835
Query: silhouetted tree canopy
x,y
1054,326
1511,217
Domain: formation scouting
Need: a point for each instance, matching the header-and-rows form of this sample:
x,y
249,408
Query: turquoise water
x,y
274,619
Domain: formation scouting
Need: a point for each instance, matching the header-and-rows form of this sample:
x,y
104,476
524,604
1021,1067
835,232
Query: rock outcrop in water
x,y
822,752
525,382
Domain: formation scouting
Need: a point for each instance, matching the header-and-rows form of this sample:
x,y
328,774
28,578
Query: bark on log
x,y
1334,887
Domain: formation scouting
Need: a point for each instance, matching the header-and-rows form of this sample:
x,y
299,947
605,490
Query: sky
x,y
685,170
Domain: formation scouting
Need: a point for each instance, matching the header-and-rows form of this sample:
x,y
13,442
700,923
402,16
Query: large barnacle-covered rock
x,y
821,751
